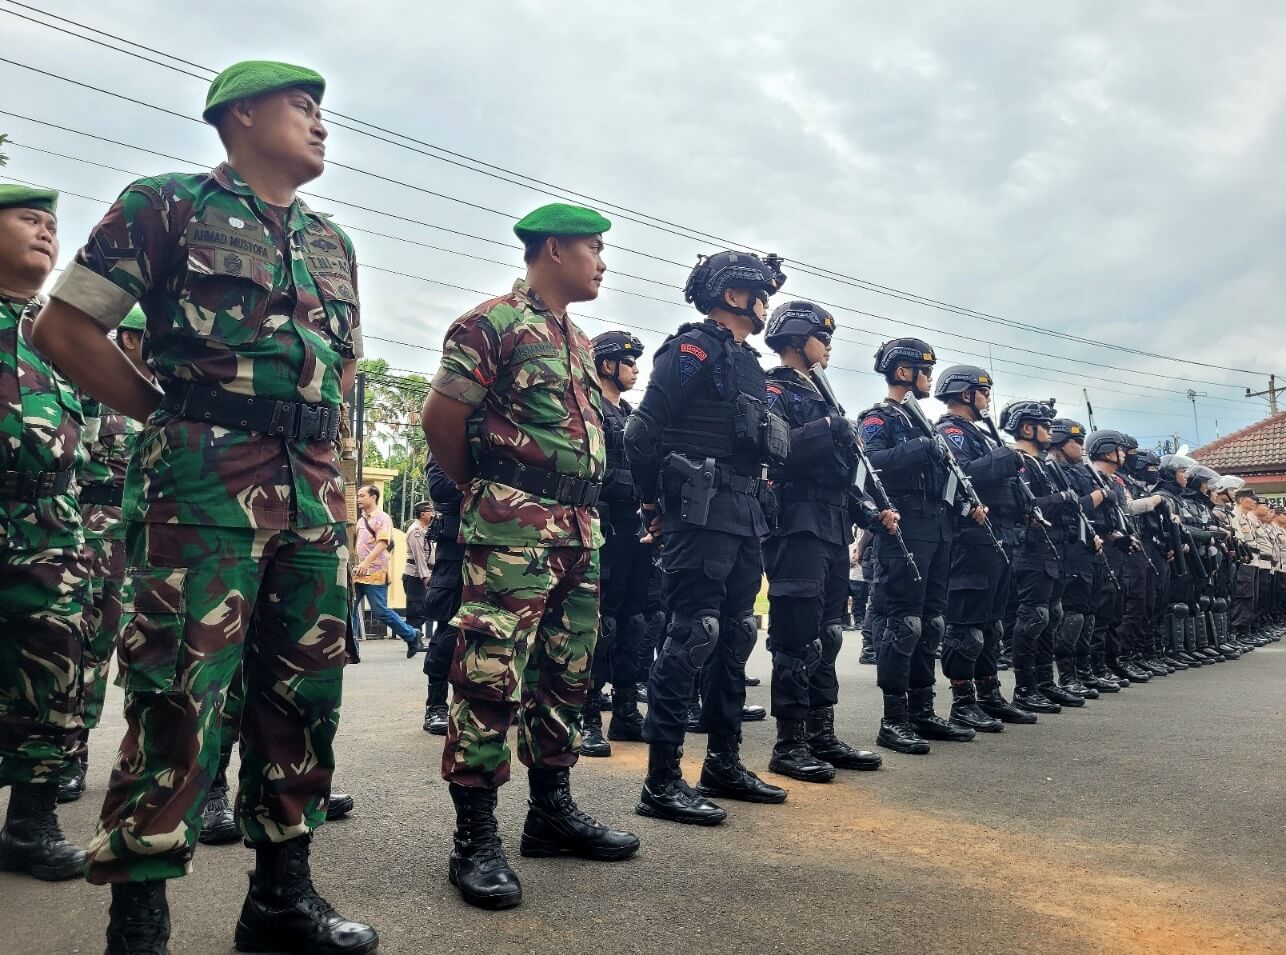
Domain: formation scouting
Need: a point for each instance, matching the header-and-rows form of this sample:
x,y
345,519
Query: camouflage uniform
x,y
529,617
257,308
109,437
44,581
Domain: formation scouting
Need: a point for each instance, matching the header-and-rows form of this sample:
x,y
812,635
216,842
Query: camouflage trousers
x,y
189,596
107,570
528,621
42,618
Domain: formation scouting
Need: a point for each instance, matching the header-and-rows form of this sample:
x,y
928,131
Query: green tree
x,y
4,160
392,436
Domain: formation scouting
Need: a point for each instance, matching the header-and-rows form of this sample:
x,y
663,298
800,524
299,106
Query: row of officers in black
x,y
1082,549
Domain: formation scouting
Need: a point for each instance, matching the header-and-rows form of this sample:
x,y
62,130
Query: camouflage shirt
x,y
41,420
255,299
529,376
109,438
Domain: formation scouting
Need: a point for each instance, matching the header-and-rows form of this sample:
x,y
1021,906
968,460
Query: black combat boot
x,y
338,806
929,724
31,840
72,786
138,921
592,742
626,724
1123,667
667,796
1027,694
753,681
722,774
867,656
992,702
1091,680
824,744
1070,680
556,826
792,757
753,713
1102,672
435,710
478,866
965,710
1052,691
695,723
895,729
284,913
218,821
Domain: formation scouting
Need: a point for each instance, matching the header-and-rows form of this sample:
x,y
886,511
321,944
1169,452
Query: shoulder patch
x,y
955,435
775,389
693,349
871,426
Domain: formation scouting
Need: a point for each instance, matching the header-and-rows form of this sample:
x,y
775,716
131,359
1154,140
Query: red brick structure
x,y
1257,453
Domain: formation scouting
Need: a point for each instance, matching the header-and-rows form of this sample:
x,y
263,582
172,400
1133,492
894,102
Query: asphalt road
x,y
1151,821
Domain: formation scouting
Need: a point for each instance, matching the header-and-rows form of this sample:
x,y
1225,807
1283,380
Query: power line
x,y
441,153
609,323
837,307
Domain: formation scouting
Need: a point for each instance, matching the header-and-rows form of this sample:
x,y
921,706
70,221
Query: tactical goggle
x,y
823,337
627,360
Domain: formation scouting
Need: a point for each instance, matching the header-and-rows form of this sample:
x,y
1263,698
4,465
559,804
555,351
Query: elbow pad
x,y
642,440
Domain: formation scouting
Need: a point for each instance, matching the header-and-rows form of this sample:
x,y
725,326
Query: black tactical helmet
x,y
958,379
1015,413
715,274
797,319
903,351
1102,443
1062,430
614,345
1144,465
1171,464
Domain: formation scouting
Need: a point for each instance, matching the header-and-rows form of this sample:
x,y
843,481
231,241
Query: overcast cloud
x,y
1110,170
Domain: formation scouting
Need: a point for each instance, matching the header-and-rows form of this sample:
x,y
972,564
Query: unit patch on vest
x,y
955,435
871,426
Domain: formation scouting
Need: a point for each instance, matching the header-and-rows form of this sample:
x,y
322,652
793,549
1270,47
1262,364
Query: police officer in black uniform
x,y
912,466
442,594
1083,561
980,575
1171,483
1148,651
698,445
626,562
1207,535
806,556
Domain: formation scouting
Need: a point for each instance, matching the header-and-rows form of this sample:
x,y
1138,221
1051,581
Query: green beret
x,y
558,218
27,197
255,77
135,321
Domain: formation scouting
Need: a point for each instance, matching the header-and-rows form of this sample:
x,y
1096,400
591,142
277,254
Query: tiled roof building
x,y
1257,453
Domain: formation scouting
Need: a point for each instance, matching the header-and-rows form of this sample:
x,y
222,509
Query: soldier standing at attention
x,y
698,445
44,580
109,440
806,555
515,418
627,561
234,505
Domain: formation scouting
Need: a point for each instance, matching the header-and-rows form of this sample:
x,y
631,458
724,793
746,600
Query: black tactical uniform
x,y
1181,590
915,476
1082,566
626,568
698,445
1142,635
806,558
1206,535
442,594
1038,572
980,575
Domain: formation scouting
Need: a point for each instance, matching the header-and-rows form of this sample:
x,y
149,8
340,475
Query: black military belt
x,y
792,493
563,488
32,486
730,480
280,419
108,495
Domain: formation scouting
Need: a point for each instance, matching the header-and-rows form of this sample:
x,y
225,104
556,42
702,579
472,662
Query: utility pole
x,y
1193,396
1270,393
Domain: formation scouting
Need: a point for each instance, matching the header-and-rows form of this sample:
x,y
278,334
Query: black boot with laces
x,y
556,826
139,919
478,865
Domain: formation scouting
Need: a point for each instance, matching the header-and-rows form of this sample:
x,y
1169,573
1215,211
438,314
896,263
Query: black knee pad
x,y
606,632
931,635
740,634
692,639
964,641
1179,611
832,641
1220,605
1070,633
905,634
1032,619
1203,602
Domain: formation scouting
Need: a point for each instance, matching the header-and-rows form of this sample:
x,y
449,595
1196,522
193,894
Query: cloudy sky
x,y
1109,171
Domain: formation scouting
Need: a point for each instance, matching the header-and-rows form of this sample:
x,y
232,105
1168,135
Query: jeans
x,y
377,595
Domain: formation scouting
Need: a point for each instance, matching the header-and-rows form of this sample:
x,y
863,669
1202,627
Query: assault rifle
x,y
1086,528
866,476
958,487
